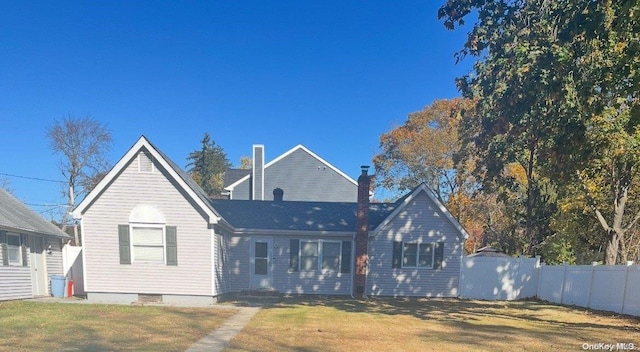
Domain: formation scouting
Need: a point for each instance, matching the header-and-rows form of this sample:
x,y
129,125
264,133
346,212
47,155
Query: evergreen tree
x,y
207,166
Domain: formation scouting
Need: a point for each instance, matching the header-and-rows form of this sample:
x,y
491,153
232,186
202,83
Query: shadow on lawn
x,y
463,312
473,325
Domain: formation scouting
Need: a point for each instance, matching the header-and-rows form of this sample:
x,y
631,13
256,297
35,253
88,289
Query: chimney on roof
x,y
362,234
278,195
257,172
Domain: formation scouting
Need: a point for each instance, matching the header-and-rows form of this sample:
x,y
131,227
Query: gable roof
x,y
407,199
233,175
15,215
188,185
231,186
296,216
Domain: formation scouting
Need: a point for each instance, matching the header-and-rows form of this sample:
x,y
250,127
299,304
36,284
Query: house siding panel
x,y
284,281
15,282
307,282
104,273
420,221
54,260
302,178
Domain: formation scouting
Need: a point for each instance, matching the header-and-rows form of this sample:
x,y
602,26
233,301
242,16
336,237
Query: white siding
x,y
419,221
103,271
306,282
238,261
15,282
54,260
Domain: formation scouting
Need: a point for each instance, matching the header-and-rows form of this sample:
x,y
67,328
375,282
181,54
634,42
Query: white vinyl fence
x,y
73,268
605,287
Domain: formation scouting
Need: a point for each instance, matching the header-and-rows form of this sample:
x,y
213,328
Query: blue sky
x,y
331,75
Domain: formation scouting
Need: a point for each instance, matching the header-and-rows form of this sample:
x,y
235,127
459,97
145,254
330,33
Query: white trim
x,y
133,245
123,162
19,247
320,243
422,188
214,264
417,266
284,155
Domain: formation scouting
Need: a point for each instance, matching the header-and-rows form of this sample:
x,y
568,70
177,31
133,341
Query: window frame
x,y
320,258
19,262
417,255
133,245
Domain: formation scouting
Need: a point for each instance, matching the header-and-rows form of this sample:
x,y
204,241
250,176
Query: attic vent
x,y
145,162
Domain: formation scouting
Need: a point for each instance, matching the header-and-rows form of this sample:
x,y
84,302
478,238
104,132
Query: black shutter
x,y
124,244
5,250
172,245
438,256
294,249
345,264
23,247
397,254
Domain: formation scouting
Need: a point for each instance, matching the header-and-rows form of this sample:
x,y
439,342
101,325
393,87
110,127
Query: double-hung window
x,y
309,254
321,255
148,243
14,251
417,255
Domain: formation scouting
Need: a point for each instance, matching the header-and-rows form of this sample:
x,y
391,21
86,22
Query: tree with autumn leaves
x,y
422,150
554,132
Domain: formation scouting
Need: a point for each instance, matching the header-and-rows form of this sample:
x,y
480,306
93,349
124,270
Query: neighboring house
x,y
149,230
31,250
299,173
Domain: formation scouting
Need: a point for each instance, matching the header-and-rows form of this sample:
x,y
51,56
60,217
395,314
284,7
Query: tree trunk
x,y
611,249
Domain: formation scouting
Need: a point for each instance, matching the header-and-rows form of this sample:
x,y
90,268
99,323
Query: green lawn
x,y
34,326
429,324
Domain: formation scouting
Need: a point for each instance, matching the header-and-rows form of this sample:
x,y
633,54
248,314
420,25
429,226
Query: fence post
x,y
624,293
593,268
540,270
564,278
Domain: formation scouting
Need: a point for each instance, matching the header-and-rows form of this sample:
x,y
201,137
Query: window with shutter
x,y
294,249
417,255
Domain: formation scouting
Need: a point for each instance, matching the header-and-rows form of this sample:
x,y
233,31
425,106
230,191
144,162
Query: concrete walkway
x,y
219,338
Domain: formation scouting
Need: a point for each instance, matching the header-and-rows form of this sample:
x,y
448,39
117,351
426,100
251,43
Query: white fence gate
x,y
73,268
605,287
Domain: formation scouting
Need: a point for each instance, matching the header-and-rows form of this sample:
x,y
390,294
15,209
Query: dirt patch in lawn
x,y
37,326
430,324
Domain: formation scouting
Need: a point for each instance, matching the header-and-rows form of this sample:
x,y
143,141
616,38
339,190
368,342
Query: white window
x,y
309,254
325,255
417,255
14,250
148,243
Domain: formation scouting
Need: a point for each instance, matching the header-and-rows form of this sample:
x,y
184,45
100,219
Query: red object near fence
x,y
69,288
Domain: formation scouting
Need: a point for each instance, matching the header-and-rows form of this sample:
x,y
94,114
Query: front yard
x,y
430,324
34,326
313,324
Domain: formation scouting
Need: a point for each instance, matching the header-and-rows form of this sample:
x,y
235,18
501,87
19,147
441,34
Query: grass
x,y
433,324
34,326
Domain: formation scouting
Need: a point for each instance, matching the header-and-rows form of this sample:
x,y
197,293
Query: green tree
x,y
207,166
556,86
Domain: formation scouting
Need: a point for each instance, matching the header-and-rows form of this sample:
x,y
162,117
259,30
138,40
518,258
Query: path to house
x,y
219,338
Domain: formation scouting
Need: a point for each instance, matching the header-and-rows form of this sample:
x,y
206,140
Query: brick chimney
x,y
362,234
